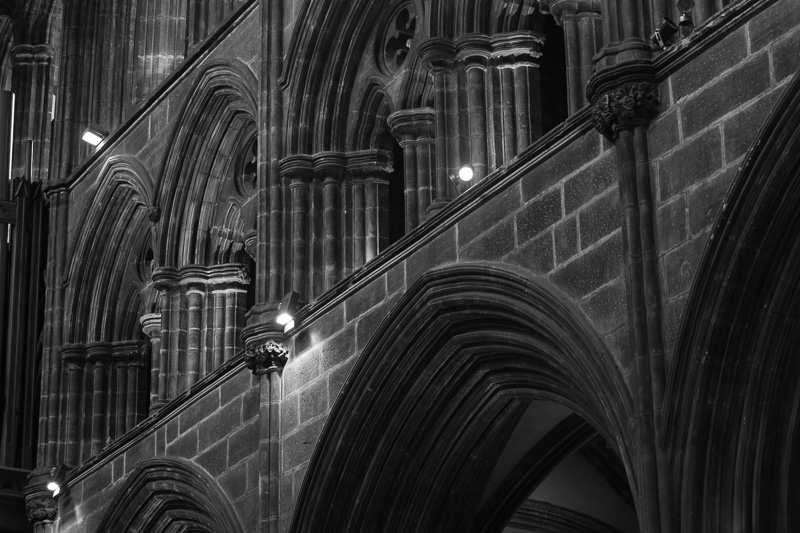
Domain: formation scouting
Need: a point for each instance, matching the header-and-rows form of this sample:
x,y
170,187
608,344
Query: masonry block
x,y
251,403
236,385
786,56
118,469
396,278
536,256
600,218
243,442
560,165
324,327
336,380
313,400
773,22
492,245
248,507
538,215
591,270
220,424
173,429
215,458
607,307
565,236
692,162
185,445
740,85
663,134
234,481
287,501
671,226
368,324
706,200
726,54
338,349
298,447
301,370
741,129
365,299
144,449
590,182
440,252
290,413
197,412
99,481
488,214
680,265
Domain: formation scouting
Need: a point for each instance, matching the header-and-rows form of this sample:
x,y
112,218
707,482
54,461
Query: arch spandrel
x,y
734,391
164,495
453,357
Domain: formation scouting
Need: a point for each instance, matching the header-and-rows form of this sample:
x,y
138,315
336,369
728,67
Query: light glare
x,y
92,138
283,319
466,173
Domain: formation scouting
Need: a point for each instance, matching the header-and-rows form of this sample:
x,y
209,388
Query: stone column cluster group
x,y
339,215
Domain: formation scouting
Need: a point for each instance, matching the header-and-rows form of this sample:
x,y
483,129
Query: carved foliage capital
x,y
268,357
624,107
41,508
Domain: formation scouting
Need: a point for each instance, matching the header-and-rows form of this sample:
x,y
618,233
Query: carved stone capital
x,y
268,357
41,508
624,107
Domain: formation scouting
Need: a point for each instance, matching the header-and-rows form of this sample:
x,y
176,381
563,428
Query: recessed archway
x,y
165,495
475,388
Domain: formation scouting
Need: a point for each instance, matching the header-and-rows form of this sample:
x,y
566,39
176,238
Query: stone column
x,y
623,115
377,214
100,354
299,171
194,295
32,84
163,355
151,325
330,166
583,38
266,361
439,56
73,357
414,130
120,353
137,384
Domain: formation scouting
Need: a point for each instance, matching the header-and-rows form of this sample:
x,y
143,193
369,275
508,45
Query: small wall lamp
x,y
665,30
57,481
466,173
685,7
94,134
287,311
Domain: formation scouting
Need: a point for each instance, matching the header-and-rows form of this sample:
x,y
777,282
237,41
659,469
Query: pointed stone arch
x,y
733,416
432,396
165,495
101,274
217,122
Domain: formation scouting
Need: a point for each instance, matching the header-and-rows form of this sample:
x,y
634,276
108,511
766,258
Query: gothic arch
x,y
734,393
165,495
101,275
436,391
217,122
321,71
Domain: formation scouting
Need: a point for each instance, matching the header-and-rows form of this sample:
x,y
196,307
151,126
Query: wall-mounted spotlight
x,y
665,31
685,7
287,312
94,134
57,482
466,173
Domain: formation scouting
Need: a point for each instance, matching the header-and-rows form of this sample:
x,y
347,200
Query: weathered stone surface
x,y
592,269
692,162
740,85
721,57
538,215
